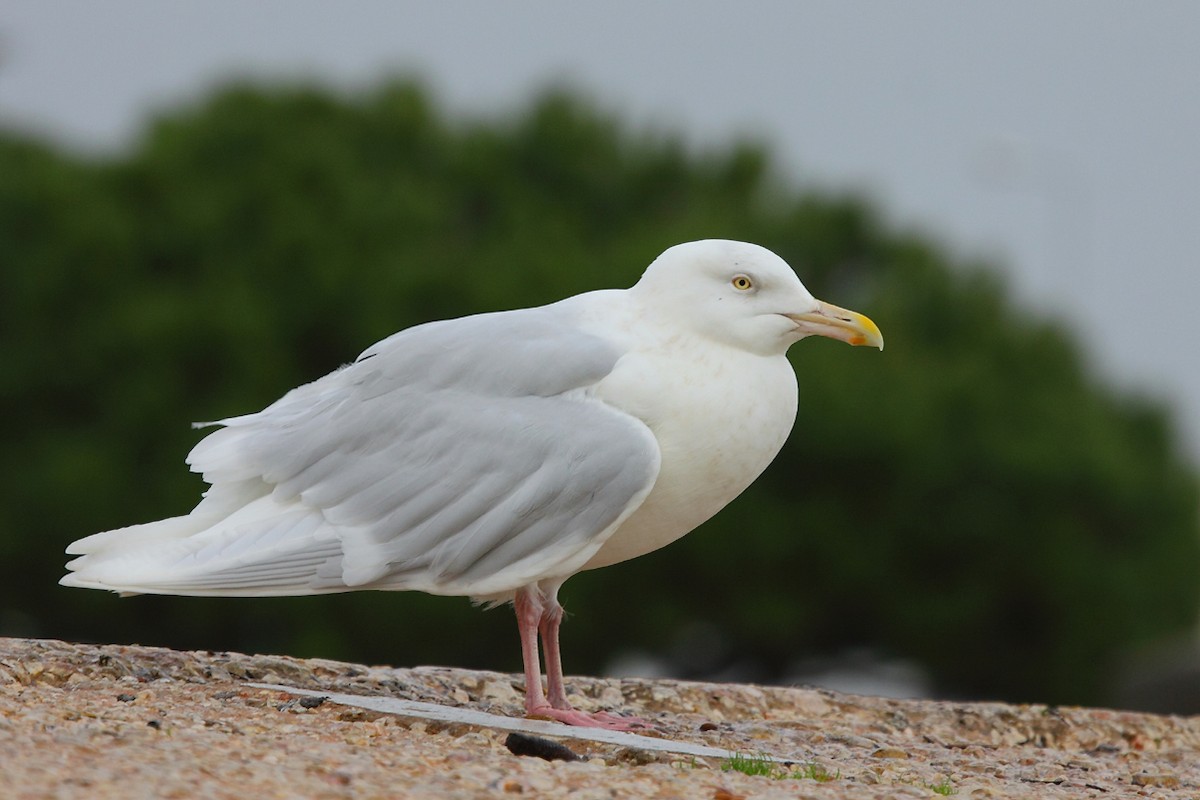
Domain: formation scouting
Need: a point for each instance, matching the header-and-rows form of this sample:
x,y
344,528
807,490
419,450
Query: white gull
x,y
496,455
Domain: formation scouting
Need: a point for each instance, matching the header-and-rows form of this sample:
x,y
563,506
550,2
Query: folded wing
x,y
458,457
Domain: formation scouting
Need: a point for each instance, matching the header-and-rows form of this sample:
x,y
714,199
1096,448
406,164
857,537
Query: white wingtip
x,y
76,581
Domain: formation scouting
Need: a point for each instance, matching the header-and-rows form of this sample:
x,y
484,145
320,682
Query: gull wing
x,y
458,457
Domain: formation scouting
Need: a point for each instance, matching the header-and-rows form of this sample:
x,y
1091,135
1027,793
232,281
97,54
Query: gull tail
x,y
263,547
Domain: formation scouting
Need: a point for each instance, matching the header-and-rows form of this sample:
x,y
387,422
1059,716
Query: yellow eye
x,y
742,283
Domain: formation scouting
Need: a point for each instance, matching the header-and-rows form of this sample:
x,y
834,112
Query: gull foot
x,y
600,719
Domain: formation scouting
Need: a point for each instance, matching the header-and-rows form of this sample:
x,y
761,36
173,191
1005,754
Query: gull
x,y
494,456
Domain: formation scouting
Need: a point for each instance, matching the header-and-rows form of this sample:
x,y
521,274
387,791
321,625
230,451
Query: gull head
x,y
744,296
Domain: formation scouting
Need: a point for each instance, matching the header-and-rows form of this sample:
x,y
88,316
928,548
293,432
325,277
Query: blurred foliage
x,y
972,498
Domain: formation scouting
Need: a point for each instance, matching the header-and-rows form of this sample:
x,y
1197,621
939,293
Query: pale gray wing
x,y
462,457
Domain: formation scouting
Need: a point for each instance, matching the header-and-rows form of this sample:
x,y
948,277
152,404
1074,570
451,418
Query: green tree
x,y
973,498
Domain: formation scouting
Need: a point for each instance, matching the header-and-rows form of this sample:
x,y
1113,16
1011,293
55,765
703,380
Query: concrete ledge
x,y
128,721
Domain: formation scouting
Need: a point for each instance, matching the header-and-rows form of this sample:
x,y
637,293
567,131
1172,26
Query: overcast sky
x,y
1062,139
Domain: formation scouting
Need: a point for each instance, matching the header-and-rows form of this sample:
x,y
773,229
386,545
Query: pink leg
x,y
536,613
548,627
528,606
552,615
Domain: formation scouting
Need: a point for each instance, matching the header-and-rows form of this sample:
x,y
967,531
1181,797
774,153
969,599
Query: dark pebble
x,y
126,698
154,724
520,744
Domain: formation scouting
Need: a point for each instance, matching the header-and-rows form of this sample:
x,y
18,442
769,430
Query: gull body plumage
x,y
496,455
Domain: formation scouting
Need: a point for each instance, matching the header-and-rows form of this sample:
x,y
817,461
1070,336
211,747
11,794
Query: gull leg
x,y
548,626
528,606
552,616
536,613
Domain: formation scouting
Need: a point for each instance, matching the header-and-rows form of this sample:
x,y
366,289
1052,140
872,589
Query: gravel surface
x,y
115,721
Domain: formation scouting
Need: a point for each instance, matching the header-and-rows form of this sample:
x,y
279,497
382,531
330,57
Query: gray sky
x,y
1060,138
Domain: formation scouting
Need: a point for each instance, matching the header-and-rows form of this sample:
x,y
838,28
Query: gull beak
x,y
838,323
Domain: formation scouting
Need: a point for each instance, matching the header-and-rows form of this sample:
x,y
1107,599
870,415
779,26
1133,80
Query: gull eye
x,y
742,283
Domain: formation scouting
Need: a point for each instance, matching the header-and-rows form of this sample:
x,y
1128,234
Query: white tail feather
x,y
267,547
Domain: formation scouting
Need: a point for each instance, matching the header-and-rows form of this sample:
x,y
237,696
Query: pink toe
x,y
571,716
